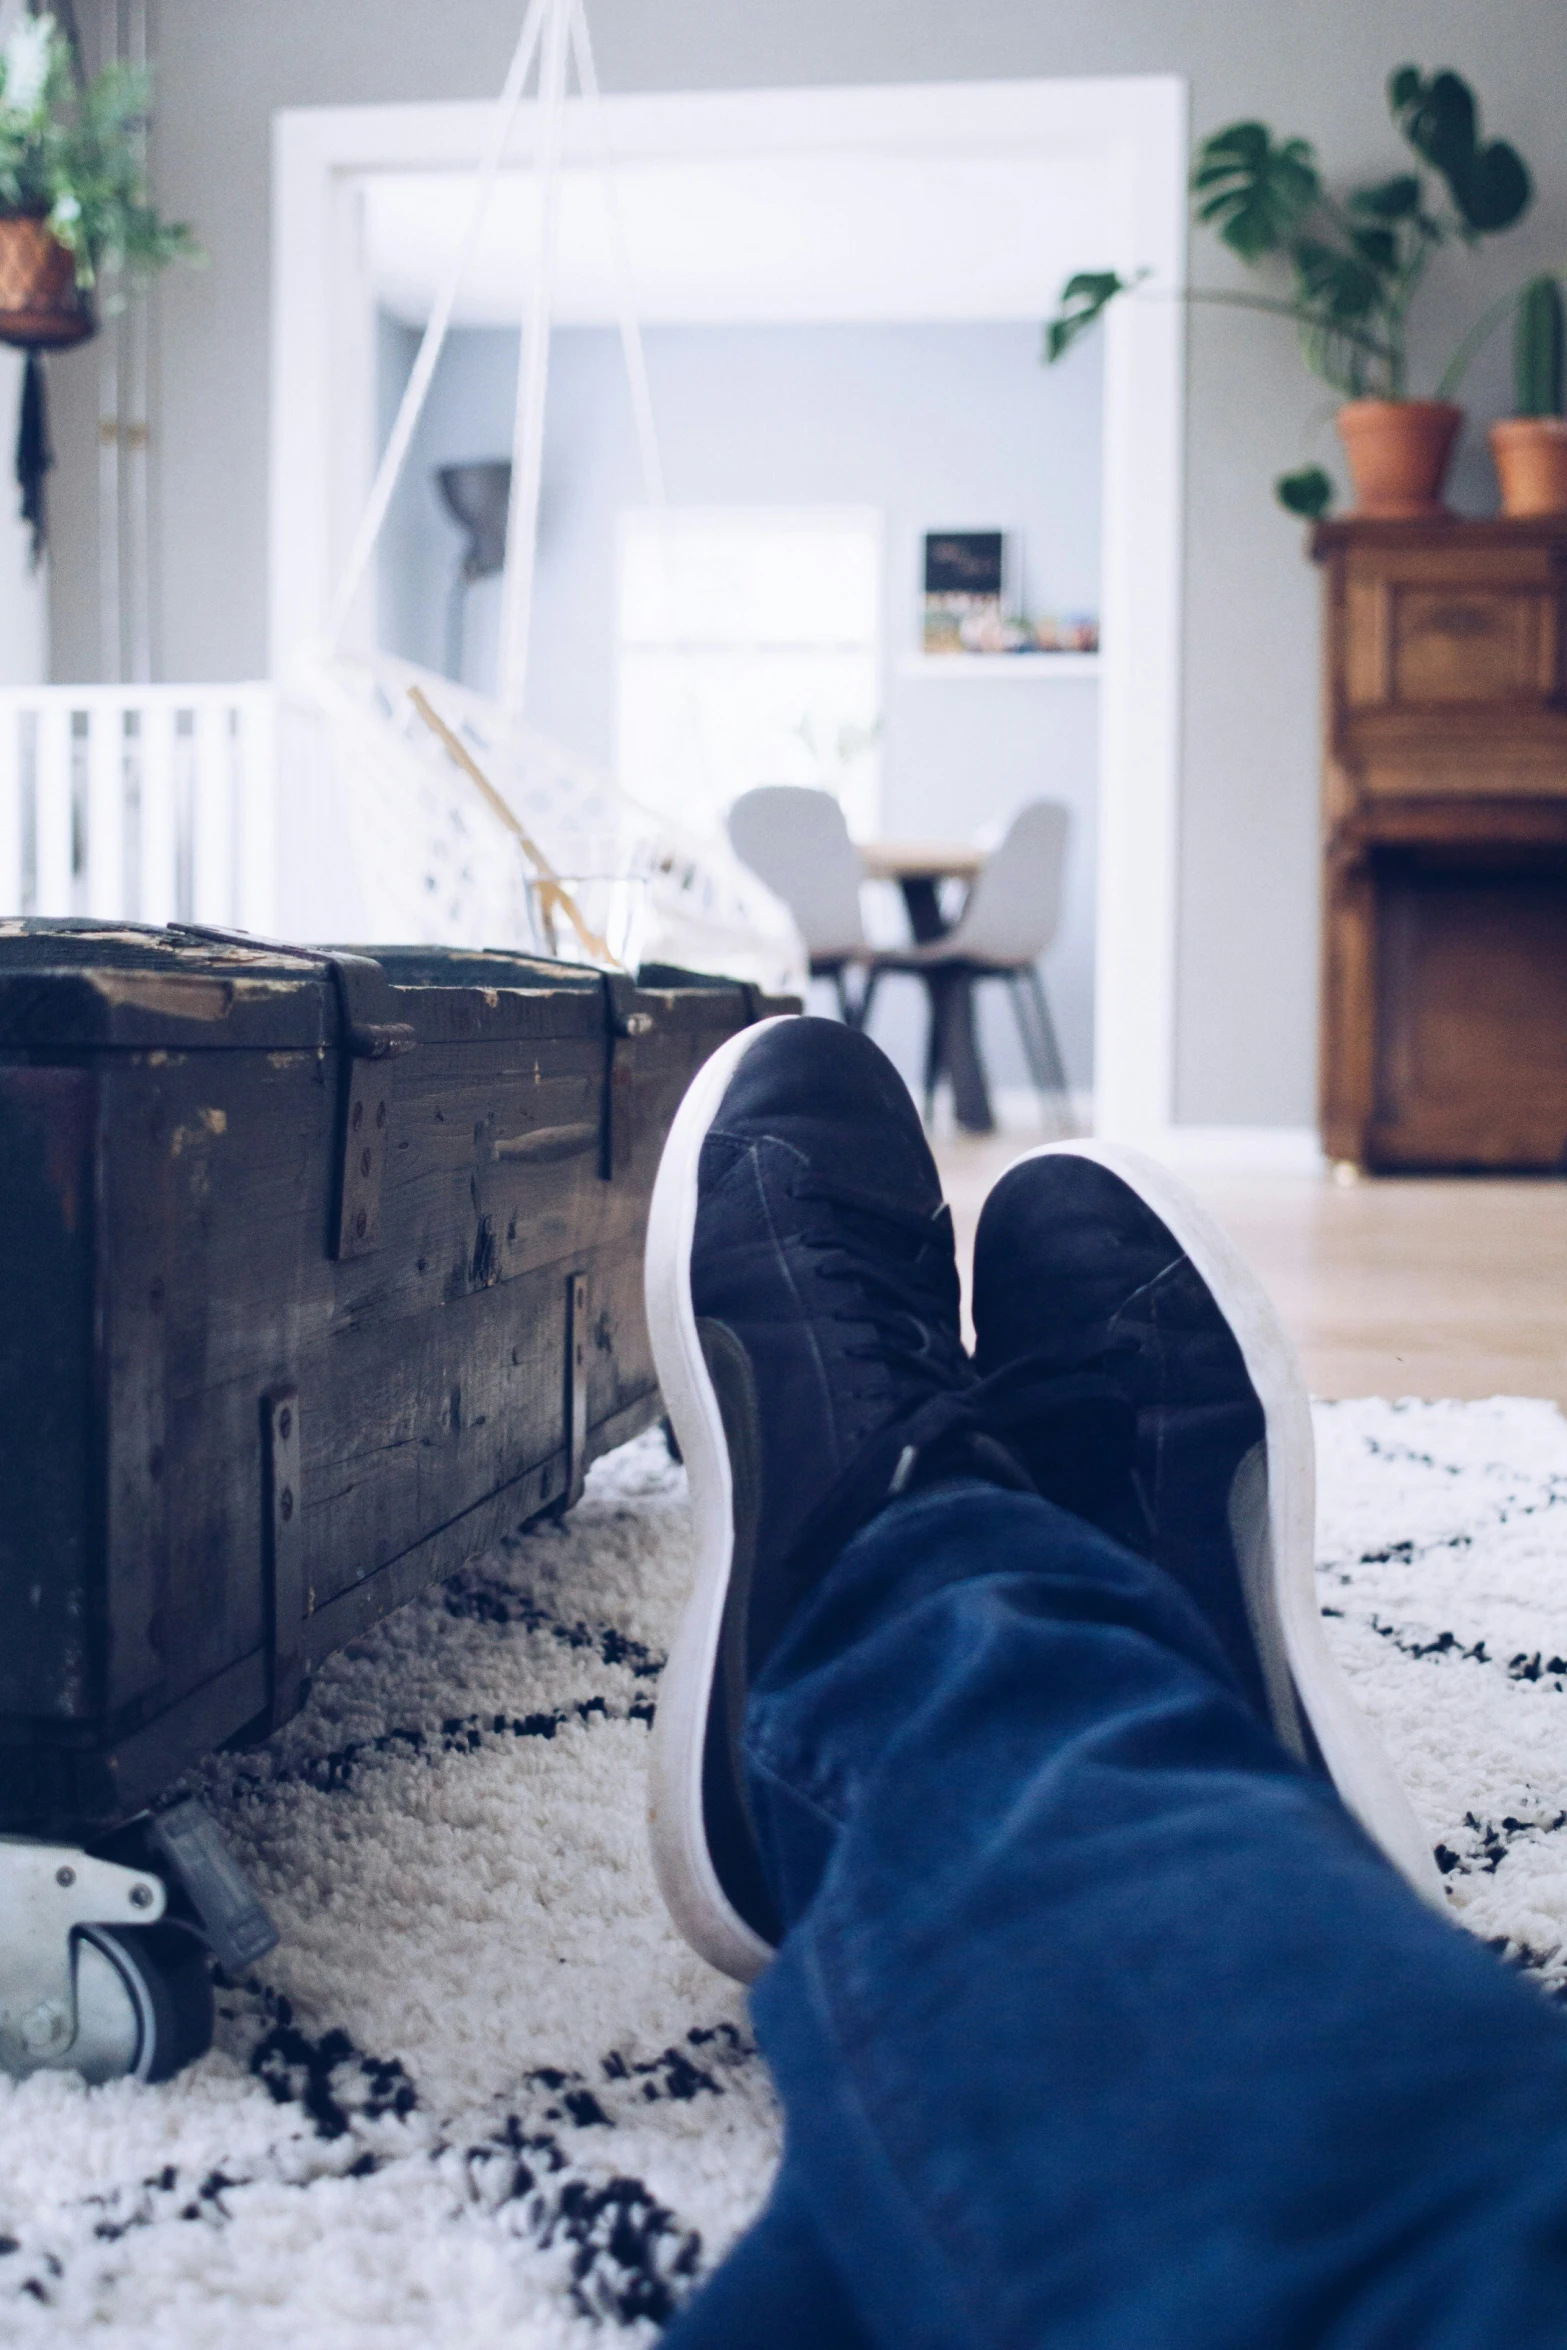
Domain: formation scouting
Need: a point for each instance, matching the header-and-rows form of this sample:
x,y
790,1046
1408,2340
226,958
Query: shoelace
x,y
1075,1424
909,1300
1068,1372
906,1295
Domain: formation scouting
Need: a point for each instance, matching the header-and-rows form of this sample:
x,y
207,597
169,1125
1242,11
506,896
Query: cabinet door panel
x,y
1452,644
1471,1016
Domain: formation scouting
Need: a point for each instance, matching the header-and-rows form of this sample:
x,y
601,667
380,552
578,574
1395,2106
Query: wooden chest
x,y
320,1271
1444,1033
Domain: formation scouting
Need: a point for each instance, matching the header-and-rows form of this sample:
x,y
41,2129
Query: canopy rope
x,y
550,29
395,455
527,438
632,351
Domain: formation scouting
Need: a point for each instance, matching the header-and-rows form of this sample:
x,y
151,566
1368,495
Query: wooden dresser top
x,y
1495,531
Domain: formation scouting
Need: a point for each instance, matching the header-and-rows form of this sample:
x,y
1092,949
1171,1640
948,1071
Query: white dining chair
x,y
795,839
1009,919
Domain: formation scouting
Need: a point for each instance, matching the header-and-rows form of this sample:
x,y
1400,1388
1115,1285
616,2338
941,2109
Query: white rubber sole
x,y
682,1862
1286,1586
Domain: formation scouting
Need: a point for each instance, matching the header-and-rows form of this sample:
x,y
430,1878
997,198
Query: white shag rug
x,y
481,2094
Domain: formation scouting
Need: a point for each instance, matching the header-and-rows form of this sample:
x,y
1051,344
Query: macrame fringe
x,y
34,455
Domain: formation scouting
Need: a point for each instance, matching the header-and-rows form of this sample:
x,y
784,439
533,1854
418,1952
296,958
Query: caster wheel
x,y
143,2003
80,1990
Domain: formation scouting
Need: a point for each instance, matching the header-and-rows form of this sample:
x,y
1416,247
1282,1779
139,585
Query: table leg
x,y
957,1049
954,1042
921,898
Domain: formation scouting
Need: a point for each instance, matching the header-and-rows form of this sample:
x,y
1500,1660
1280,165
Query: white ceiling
x,y
781,239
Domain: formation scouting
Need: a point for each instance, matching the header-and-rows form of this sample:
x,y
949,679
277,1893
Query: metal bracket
x,y
284,1537
625,1019
233,1917
576,1399
46,1892
372,1038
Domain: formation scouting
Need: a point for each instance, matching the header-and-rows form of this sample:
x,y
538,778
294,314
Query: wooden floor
x,y
1389,1287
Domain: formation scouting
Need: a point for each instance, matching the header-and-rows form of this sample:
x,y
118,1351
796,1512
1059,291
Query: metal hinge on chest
x,y
372,1040
283,1544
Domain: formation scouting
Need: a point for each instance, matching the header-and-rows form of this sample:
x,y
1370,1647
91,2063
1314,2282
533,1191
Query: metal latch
x,y
371,1036
372,1039
625,1018
46,1892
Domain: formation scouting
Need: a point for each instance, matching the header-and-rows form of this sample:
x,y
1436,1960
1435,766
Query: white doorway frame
x,y
323,429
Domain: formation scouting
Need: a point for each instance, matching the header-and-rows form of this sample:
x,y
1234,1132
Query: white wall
x,y
932,425
1247,910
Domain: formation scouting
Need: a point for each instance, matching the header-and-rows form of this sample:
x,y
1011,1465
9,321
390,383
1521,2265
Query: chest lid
x,y
91,984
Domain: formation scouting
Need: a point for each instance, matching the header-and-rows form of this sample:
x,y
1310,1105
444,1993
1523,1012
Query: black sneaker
x,y
803,1305
1091,1255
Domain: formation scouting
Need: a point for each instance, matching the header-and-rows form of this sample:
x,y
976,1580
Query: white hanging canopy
x,y
439,863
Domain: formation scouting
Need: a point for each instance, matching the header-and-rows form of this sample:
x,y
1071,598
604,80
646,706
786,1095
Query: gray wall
x,y
1246,1012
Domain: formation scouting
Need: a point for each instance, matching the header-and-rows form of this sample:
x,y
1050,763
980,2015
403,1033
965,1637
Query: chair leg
x,y
845,1001
868,987
1044,1051
1022,1014
1047,1029
933,1043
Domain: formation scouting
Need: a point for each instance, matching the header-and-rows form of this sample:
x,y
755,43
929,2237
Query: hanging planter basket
x,y
42,308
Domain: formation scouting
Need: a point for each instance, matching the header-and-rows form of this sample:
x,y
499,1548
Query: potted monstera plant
x,y
78,228
1345,269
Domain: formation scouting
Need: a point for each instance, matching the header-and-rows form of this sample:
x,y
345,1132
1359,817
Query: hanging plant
x,y
79,232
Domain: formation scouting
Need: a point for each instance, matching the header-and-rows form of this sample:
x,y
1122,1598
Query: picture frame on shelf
x,y
972,605
966,578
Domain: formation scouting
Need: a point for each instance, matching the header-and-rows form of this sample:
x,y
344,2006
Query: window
x,y
749,654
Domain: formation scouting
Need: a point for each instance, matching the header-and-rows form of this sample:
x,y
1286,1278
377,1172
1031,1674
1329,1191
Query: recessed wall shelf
x,y
965,668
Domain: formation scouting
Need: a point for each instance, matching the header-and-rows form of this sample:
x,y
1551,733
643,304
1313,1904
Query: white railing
x,y
149,803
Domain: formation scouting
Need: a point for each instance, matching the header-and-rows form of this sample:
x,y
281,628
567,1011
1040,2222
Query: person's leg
x,y
777,2290
1097,2020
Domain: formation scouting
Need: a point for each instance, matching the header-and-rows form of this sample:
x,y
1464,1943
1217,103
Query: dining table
x,y
919,867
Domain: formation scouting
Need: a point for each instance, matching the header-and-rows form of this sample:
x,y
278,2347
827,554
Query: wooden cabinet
x,y
1444,1014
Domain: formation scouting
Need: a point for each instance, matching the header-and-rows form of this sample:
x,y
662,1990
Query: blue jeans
x,y
1098,2022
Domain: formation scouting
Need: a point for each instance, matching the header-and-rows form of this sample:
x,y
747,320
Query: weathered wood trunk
x,y
318,1273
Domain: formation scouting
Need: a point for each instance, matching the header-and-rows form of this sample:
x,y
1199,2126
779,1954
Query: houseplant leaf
x,y
1439,119
1496,190
1339,356
1490,185
1254,192
1308,491
1083,301
1394,199
1378,248
1339,285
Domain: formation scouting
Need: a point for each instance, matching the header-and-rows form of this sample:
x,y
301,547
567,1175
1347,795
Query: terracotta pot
x,y
1398,452
41,306
1531,463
